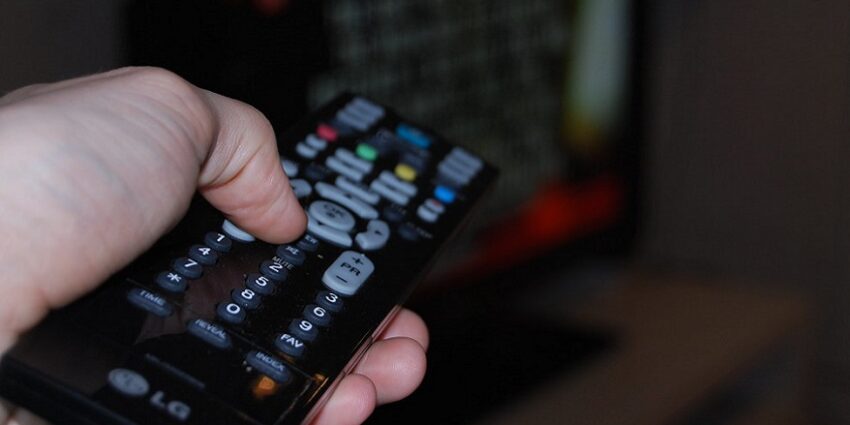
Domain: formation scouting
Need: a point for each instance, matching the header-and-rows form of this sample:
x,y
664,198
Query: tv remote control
x,y
211,326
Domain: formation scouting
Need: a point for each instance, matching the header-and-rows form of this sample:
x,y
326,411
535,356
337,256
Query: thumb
x,y
242,176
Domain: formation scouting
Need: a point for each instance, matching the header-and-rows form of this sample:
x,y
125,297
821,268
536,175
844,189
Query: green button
x,y
367,152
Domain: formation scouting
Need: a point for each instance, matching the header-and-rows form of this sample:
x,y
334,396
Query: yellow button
x,y
405,172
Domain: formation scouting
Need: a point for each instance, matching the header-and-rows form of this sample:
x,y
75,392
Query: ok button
x,y
331,215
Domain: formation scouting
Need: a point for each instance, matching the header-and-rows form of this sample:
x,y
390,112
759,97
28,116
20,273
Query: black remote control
x,y
213,327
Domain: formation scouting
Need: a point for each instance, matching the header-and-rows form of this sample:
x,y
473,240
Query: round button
x,y
231,313
128,382
246,298
308,243
171,281
330,301
291,254
332,215
218,241
303,330
317,315
204,255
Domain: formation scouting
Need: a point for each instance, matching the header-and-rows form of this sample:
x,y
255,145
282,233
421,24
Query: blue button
x,y
444,194
413,135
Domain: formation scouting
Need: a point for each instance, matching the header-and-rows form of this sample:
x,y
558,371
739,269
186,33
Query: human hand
x,y
93,170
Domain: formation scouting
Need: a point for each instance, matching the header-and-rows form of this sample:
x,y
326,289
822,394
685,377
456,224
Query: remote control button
x,y
413,135
273,270
218,241
316,172
260,284
444,194
317,315
426,215
150,302
231,313
469,159
405,172
357,189
305,150
408,232
451,176
375,237
343,129
343,168
402,186
303,330
394,213
327,132
269,366
289,345
210,333
418,160
246,298
291,254
301,188
371,107
348,273
460,167
330,301
353,161
435,205
331,215
188,268
367,152
316,142
327,233
352,120
236,233
290,168
171,282
383,141
335,194
203,255
308,243
389,193
128,382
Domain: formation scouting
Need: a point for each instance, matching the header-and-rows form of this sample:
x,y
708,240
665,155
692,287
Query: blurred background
x,y
668,242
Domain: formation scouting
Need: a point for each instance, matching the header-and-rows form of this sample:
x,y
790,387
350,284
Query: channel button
x,y
348,273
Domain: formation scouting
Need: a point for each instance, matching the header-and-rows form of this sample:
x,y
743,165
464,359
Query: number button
x,y
303,330
231,313
218,241
188,268
259,284
203,255
317,315
274,271
329,301
246,298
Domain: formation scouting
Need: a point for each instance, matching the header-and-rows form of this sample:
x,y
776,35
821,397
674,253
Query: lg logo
x,y
132,384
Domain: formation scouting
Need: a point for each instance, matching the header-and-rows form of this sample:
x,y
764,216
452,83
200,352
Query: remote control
x,y
212,326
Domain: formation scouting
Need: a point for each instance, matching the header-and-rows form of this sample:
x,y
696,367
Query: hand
x,y
93,170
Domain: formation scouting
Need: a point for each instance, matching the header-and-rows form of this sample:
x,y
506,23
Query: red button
x,y
326,132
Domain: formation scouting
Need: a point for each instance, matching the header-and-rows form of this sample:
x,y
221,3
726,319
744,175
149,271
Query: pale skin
x,y
93,170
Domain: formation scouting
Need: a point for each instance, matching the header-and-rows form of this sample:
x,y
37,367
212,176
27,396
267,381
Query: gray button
x,y
316,142
351,159
451,176
402,186
210,333
289,167
268,365
301,188
375,237
459,167
426,214
128,382
364,104
387,192
348,273
434,205
234,232
360,114
357,189
343,168
333,193
327,233
352,120
469,159
149,302
331,215
306,151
